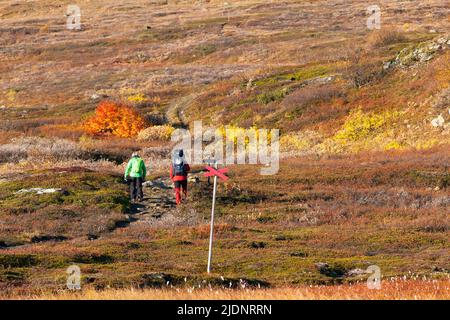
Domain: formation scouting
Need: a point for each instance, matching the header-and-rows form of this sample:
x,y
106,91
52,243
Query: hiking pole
x,y
211,231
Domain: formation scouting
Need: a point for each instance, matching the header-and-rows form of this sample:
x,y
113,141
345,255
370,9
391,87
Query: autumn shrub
x,y
137,98
361,74
161,133
362,68
385,37
116,119
250,136
360,125
306,96
299,141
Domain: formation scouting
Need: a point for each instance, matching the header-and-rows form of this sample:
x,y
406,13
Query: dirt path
x,y
158,202
159,208
175,112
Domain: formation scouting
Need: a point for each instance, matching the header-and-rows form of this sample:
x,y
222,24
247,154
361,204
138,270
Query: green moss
x,y
266,218
12,276
81,188
272,96
308,73
303,74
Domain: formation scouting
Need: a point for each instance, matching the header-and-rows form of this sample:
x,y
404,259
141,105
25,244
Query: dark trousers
x,y
136,188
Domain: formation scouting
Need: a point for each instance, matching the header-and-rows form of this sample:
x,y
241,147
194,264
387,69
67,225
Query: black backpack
x,y
178,169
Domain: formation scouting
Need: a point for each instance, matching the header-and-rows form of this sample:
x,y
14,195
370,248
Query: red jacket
x,y
179,178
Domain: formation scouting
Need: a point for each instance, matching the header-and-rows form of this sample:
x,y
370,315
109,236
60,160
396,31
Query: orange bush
x,y
115,118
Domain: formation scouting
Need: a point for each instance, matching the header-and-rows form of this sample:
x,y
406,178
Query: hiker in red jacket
x,y
178,173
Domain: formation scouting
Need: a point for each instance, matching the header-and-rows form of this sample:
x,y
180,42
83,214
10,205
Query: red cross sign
x,y
216,172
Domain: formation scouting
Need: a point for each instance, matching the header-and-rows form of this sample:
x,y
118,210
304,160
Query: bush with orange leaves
x,y
114,118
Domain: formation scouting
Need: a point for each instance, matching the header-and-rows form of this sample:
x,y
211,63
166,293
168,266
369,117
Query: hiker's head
x,y
135,155
178,153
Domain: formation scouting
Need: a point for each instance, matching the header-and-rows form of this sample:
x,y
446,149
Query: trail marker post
x,y
213,172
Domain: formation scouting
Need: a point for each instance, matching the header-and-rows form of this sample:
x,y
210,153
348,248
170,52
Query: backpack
x,y
178,169
136,166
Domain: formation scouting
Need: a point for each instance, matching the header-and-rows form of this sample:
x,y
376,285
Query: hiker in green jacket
x,y
135,174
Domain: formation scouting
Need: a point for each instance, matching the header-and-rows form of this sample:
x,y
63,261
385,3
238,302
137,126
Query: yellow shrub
x,y
393,145
11,94
140,97
299,141
426,144
86,141
360,125
232,132
162,133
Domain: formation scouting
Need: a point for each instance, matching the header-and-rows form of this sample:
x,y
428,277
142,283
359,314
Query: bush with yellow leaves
x,y
160,133
302,141
137,98
360,125
235,133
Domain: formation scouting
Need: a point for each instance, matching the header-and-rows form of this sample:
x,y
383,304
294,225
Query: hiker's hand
x,y
125,179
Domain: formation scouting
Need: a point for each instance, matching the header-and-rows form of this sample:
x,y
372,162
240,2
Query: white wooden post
x,y
211,231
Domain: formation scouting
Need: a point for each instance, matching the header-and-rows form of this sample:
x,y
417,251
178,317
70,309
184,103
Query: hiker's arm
x,y
128,169
171,173
187,167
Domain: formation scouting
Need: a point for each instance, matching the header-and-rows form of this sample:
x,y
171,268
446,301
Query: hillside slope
x,y
365,139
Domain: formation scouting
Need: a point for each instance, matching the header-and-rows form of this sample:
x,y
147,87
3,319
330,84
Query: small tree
x,y
115,118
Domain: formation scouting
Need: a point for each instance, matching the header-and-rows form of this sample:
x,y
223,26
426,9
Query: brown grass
x,y
390,290
348,211
385,37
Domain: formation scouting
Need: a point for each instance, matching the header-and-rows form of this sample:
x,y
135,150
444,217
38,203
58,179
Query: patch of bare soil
x,y
158,208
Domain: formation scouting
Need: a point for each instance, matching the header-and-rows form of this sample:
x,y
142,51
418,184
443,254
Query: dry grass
x,y
349,212
385,37
38,148
274,65
390,290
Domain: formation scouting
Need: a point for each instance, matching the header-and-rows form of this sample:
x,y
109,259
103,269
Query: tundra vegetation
x,y
365,139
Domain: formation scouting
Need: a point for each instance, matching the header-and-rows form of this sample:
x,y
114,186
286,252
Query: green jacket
x,y
136,168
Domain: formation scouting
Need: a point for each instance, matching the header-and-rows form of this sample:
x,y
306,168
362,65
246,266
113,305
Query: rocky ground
x,y
158,207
